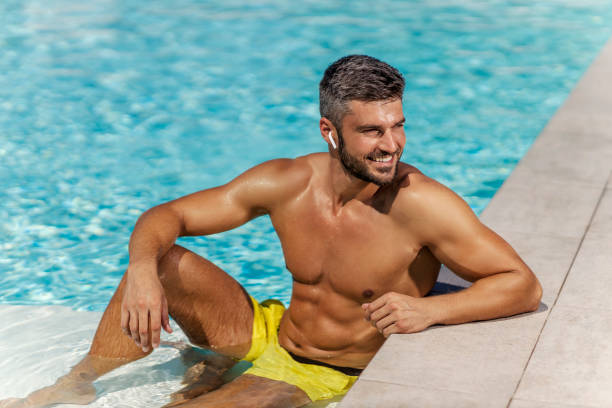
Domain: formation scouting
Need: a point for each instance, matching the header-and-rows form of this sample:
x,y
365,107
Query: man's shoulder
x,y
413,184
281,178
419,194
294,170
427,207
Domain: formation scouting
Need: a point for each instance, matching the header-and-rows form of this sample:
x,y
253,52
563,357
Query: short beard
x,y
358,168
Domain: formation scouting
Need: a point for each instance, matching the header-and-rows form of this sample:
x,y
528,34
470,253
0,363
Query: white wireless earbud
x,y
331,140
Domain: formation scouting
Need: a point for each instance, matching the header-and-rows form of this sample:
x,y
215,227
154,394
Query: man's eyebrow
x,y
377,127
368,127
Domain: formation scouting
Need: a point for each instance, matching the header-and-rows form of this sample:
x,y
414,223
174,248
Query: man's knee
x,y
173,255
168,265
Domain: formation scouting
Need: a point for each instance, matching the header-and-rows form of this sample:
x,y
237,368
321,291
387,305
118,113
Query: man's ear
x,y
328,132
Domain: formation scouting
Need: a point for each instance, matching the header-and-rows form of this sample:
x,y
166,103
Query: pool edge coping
x,y
582,114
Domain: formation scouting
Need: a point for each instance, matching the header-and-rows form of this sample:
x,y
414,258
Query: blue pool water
x,y
110,107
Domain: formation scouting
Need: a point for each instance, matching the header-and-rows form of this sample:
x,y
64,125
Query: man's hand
x,y
144,309
397,313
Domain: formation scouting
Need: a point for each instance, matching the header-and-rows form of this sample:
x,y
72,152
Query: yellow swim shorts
x,y
272,361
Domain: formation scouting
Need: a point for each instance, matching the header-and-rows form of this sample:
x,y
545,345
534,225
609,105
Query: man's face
x,y
372,140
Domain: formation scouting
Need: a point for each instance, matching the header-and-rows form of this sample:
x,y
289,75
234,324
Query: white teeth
x,y
383,159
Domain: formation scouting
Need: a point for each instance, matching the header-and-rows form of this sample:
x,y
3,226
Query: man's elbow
x,y
533,292
163,216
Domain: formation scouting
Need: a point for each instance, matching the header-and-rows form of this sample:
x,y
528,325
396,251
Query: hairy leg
x,y
205,373
249,391
212,308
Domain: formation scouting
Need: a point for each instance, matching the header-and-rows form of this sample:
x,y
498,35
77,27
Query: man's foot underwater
x,y
64,391
204,374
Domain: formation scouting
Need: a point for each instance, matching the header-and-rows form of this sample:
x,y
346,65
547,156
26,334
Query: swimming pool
x,y
108,108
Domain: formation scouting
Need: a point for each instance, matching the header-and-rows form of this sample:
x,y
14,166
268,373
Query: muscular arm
x,y
205,212
503,284
255,192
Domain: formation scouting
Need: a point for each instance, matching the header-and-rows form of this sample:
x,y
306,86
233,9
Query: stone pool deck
x,y
555,209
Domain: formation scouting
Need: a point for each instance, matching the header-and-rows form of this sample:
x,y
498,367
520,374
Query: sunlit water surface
x,y
110,107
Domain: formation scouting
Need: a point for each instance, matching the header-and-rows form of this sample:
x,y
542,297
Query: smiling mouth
x,y
384,158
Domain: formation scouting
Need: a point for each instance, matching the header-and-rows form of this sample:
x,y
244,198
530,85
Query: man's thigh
x,y
211,307
251,391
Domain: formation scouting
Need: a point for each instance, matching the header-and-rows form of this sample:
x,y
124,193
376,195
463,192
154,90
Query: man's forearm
x,y
154,234
144,308
500,295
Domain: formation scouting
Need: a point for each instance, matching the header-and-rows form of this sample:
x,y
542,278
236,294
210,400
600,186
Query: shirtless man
x,y
363,235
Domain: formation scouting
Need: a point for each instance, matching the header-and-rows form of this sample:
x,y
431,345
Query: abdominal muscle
x,y
333,331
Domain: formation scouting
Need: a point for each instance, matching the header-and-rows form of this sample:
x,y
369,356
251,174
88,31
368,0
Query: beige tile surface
x,y
563,155
483,358
549,257
572,362
590,279
592,93
517,403
602,221
579,124
372,394
592,96
555,208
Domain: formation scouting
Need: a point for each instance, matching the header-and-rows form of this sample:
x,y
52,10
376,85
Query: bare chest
x,y
359,253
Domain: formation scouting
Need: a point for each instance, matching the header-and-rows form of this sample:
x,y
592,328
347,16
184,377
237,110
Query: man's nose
x,y
388,142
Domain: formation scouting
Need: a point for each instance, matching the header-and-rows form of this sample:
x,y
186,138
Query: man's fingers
x,y
133,324
143,329
385,322
380,313
389,330
379,302
155,328
125,320
165,318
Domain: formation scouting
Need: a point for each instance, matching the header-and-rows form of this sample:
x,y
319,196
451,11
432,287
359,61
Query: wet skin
x,y
363,236
342,237
340,259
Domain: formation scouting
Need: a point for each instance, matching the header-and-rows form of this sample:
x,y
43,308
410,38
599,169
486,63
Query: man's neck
x,y
345,187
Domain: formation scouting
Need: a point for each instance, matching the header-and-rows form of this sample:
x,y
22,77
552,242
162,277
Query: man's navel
x,y
368,293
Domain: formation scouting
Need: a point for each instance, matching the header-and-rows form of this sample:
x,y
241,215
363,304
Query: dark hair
x,y
356,77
